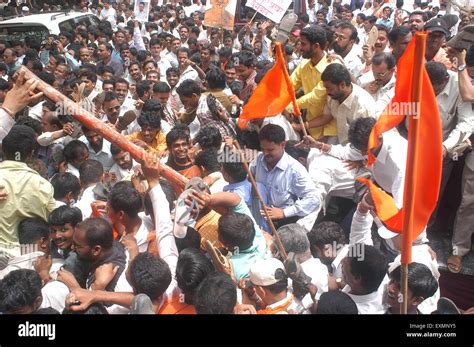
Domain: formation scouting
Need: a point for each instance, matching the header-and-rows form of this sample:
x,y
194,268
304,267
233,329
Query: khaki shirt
x,y
29,196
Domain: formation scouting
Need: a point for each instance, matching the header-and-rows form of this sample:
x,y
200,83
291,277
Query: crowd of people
x,y
87,228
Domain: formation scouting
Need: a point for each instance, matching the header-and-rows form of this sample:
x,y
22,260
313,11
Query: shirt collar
x,y
282,163
289,298
350,99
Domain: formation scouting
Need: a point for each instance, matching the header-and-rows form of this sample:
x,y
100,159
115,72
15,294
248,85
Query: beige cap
x,y
262,272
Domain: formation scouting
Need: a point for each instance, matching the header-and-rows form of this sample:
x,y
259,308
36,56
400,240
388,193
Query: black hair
x,y
421,281
161,87
372,19
109,96
90,75
336,302
325,233
19,289
64,183
121,80
64,215
124,197
176,134
154,42
30,122
347,25
215,78
437,72
272,133
336,74
236,230
359,132
398,32
192,267
470,56
188,87
217,294
225,52
143,87
208,159
98,232
191,240
386,58
151,114
90,171
149,275
315,34
420,13
184,50
31,230
73,149
247,59
370,267
281,285
19,143
209,138
296,152
171,70
234,168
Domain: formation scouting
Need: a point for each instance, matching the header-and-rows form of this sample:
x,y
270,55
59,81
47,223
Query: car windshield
x,y
19,32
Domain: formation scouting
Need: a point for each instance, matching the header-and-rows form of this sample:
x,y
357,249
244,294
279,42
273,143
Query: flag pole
x,y
86,118
410,182
254,185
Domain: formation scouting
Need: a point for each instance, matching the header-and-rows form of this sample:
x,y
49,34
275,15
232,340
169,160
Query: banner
x,y
142,10
220,14
272,9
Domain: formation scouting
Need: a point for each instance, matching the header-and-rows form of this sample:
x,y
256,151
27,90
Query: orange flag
x,y
273,93
424,158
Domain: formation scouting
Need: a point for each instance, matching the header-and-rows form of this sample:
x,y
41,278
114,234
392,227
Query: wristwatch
x,y
461,67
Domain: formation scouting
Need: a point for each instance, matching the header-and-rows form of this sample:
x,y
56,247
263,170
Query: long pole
x,y
177,180
410,181
254,185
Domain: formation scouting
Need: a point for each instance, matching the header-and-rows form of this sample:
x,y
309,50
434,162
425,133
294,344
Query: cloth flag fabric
x,y
273,93
424,157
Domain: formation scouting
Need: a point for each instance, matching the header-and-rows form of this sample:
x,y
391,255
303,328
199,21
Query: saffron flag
x,y
273,93
424,157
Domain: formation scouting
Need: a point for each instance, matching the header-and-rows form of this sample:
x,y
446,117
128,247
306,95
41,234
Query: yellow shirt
x,y
309,77
29,196
159,142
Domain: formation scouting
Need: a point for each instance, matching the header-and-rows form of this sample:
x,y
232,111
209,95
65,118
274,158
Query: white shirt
x,y
121,173
331,178
84,203
71,169
103,156
389,167
218,186
163,65
319,277
367,304
357,105
110,16
383,95
188,74
352,61
290,133
165,239
457,116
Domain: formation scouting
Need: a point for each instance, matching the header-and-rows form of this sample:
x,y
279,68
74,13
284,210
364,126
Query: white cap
x,y
262,272
25,8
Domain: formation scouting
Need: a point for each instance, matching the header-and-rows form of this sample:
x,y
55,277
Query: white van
x,y
44,24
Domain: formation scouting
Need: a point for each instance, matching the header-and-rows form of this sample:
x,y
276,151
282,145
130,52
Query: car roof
x,y
44,17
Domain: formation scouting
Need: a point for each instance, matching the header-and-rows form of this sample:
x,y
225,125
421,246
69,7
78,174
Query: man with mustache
x,y
345,45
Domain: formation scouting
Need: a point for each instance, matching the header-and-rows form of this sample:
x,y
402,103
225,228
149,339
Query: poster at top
x,y
220,14
142,10
272,9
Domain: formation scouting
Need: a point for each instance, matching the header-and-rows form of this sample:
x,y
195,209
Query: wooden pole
x,y
410,182
86,118
254,185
